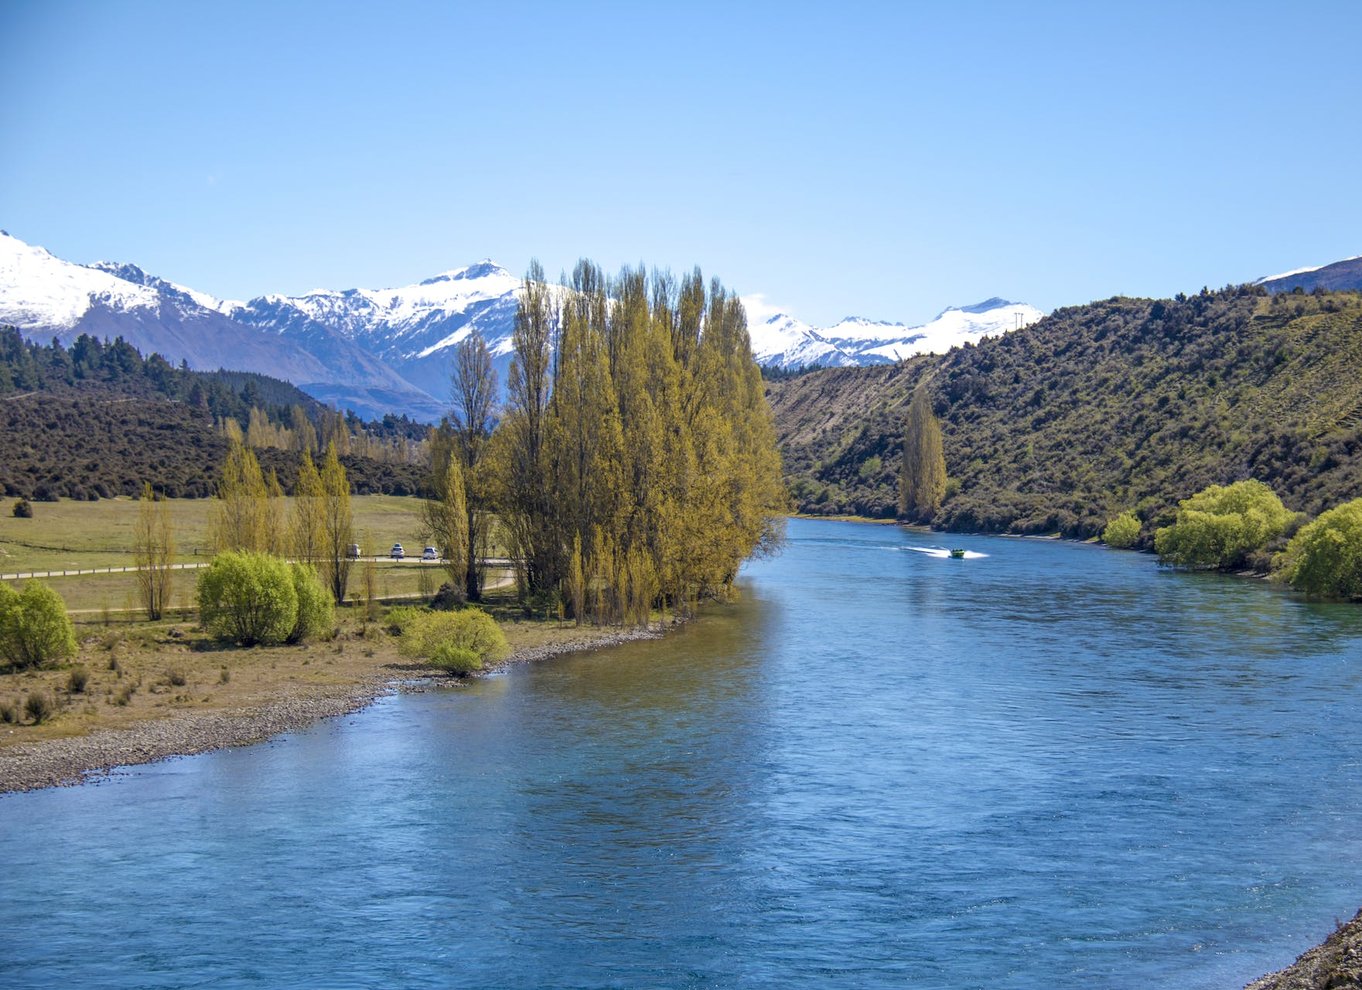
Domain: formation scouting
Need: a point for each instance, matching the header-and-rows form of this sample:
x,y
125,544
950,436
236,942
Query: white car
x,y
429,554
397,552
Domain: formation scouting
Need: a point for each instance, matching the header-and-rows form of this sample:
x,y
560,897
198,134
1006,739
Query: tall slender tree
x,y
337,524
524,492
239,517
153,553
446,520
275,516
474,389
922,478
307,527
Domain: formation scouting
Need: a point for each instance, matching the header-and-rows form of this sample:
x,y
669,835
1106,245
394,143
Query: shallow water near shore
x,y
1051,766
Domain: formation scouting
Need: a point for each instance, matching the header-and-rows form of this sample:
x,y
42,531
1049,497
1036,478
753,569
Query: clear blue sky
x,y
882,159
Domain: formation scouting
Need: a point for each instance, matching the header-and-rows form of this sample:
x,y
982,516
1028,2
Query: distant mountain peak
x,y
127,271
991,303
482,269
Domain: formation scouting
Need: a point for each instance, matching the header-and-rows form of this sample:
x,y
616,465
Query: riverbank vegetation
x,y
1223,527
1325,557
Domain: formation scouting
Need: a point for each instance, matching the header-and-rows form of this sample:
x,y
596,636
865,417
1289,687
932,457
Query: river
x,y
1049,766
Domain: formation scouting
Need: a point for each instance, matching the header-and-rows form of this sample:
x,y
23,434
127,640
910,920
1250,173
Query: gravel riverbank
x,y
77,759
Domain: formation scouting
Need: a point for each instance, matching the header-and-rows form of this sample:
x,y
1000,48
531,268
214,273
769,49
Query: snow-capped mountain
x,y
411,328
389,350
46,297
1339,276
782,341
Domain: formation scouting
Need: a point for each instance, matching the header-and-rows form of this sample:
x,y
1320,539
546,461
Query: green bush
x,y
1122,531
397,619
34,626
1221,526
77,680
316,607
1325,556
23,509
445,638
248,598
455,659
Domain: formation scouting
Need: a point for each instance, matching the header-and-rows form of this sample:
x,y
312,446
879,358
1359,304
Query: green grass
x,y
69,535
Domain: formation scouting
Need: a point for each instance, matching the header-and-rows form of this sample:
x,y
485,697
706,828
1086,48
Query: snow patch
x,y
1303,271
38,289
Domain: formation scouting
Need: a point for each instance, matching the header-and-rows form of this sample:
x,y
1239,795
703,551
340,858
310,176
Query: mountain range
x,y
781,341
380,351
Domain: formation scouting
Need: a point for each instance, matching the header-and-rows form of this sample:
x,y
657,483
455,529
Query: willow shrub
x,y
248,598
1221,526
1122,531
1325,557
34,626
316,608
460,642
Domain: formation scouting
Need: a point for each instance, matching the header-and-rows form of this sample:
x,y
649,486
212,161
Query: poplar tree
x,y
337,525
922,479
446,520
655,471
523,483
586,441
474,389
304,433
307,527
153,553
274,516
239,517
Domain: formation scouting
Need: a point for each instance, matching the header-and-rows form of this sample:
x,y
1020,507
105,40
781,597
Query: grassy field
x,y
71,536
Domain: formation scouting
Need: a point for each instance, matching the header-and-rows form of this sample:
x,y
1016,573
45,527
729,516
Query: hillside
x,y
97,420
1123,403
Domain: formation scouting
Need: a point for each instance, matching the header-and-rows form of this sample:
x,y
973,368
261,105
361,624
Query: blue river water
x,y
1053,766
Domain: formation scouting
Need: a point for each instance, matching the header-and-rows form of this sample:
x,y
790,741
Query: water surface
x,y
1050,766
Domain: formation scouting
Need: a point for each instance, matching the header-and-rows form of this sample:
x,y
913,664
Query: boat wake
x,y
944,553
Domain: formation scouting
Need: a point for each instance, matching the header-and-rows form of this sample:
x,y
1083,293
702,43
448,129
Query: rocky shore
x,y
76,759
1335,964
73,760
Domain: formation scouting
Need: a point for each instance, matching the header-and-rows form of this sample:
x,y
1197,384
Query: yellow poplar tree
x,y
239,517
922,480
307,527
